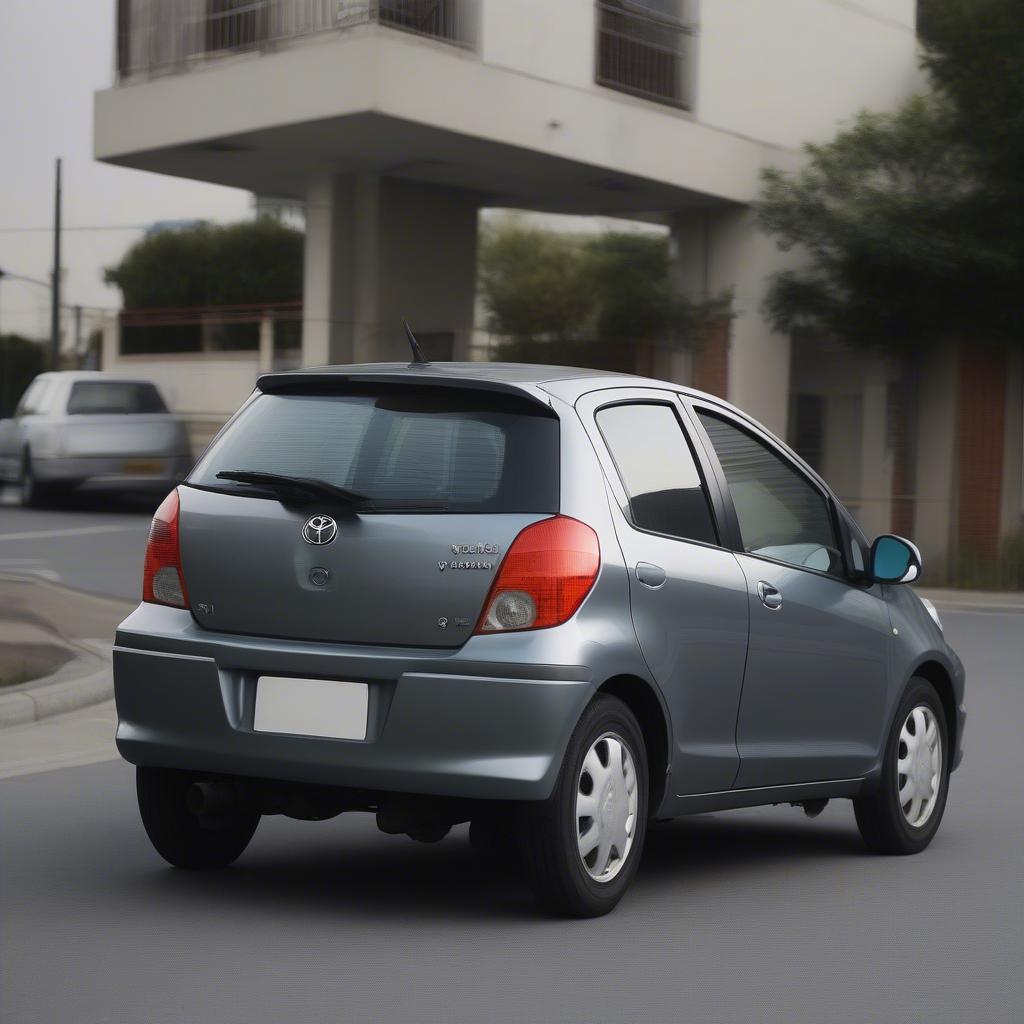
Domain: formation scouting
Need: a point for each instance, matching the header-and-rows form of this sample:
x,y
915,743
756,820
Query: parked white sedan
x,y
85,430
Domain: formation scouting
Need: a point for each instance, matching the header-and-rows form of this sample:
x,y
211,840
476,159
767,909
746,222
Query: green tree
x,y
913,221
582,299
212,265
20,361
534,283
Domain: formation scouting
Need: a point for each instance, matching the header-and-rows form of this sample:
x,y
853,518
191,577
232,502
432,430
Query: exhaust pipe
x,y
211,799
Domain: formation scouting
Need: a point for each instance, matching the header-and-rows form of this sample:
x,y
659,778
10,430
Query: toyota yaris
x,y
554,603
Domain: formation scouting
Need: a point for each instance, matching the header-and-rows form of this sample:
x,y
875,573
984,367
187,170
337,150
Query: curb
x,y
57,694
87,678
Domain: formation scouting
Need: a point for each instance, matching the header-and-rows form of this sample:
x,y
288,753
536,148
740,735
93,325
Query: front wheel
x,y
32,495
178,835
904,814
583,845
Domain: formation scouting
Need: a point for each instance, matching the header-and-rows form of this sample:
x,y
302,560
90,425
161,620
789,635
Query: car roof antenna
x,y
417,353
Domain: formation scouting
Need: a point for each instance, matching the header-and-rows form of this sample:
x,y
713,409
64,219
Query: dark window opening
x,y
643,49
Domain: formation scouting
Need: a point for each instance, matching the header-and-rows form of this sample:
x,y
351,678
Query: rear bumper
x,y
113,472
440,723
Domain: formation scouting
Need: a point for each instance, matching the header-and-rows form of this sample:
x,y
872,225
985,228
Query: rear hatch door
x,y
451,477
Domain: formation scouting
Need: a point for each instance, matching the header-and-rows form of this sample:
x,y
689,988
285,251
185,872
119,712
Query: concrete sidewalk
x,y
61,640
82,737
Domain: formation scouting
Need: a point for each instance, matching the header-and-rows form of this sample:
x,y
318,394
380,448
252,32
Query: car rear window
x,y
113,397
426,449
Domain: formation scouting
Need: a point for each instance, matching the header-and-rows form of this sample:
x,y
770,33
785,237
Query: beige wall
x,y
787,71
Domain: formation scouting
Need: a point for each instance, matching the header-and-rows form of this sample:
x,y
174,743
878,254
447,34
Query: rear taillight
x,y
544,577
163,581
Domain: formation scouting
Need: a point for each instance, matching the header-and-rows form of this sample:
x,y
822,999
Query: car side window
x,y
658,471
781,514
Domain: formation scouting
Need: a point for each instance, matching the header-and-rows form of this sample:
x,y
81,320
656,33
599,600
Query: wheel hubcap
x,y
919,766
606,805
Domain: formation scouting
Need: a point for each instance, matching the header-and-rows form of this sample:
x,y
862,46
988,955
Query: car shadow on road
x,y
396,878
710,846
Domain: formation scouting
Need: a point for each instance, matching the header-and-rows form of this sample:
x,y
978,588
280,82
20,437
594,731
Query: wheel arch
x,y
937,675
646,704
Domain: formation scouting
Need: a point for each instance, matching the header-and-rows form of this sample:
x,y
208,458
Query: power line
x,y
79,227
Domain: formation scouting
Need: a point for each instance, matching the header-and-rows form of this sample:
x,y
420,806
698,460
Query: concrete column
x,y
378,250
266,357
717,251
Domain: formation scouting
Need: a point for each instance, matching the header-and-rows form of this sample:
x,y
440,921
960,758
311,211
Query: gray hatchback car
x,y
554,603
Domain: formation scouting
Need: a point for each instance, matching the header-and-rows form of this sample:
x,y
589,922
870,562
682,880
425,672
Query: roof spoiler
x,y
292,380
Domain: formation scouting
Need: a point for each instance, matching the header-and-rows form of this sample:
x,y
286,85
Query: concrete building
x,y
396,121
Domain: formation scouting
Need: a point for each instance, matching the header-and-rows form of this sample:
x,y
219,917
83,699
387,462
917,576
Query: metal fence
x,y
155,36
644,53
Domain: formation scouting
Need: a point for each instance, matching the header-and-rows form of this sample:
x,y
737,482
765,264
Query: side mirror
x,y
894,560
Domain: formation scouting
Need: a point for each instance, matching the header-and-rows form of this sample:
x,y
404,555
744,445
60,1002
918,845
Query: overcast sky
x,y
54,54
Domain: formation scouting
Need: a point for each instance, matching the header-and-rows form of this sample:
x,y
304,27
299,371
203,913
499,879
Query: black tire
x,y
177,834
551,856
880,817
33,494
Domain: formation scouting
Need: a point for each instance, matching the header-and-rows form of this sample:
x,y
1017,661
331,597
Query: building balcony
x,y
163,36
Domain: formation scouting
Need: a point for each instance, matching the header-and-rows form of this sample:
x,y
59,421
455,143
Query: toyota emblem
x,y
319,530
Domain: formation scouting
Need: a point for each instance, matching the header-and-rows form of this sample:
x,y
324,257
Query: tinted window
x,y
114,397
658,471
781,515
434,449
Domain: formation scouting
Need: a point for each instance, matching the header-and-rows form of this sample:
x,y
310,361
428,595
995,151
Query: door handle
x,y
652,576
770,596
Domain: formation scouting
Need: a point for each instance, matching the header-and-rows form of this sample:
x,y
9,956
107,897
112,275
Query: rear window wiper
x,y
304,484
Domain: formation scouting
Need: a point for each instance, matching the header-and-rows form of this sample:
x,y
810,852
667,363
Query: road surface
x,y
753,915
95,544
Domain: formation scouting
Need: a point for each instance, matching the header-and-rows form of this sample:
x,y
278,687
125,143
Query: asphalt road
x,y
757,915
96,544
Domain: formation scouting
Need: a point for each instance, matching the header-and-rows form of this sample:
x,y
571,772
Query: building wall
x,y
787,70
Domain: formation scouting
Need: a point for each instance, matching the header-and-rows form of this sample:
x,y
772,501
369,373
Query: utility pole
x,y
78,332
55,294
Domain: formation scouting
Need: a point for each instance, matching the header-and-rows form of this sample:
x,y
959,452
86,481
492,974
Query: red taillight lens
x,y
163,582
544,577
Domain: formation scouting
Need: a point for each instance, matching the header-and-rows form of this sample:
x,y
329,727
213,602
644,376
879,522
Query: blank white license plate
x,y
311,707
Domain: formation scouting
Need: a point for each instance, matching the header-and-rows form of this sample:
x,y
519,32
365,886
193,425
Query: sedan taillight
x,y
543,579
163,581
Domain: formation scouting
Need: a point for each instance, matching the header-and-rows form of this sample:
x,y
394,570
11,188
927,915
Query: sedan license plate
x,y
327,708
144,467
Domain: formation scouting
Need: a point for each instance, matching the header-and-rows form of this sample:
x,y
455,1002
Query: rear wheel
x,y
904,814
582,846
179,836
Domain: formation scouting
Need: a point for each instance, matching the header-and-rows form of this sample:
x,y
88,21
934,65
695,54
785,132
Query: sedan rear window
x,y
405,449
114,397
